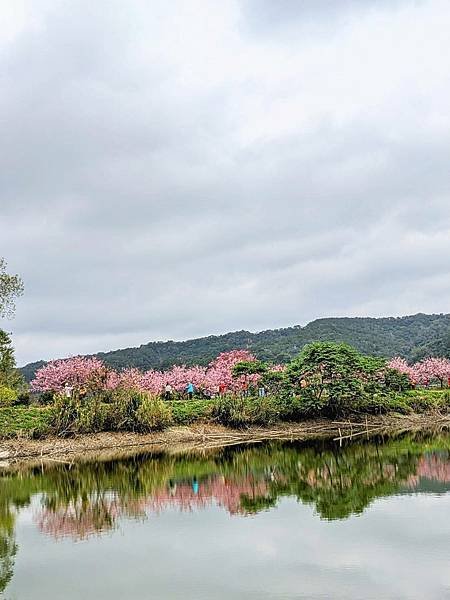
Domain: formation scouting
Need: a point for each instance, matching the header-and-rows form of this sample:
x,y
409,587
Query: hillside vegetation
x,y
411,337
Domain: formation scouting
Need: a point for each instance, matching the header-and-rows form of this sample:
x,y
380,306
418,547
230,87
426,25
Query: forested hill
x,y
412,337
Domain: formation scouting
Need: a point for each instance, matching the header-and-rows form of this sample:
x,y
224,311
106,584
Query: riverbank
x,y
209,436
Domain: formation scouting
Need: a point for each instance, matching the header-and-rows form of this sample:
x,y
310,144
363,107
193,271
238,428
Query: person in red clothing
x,y
222,389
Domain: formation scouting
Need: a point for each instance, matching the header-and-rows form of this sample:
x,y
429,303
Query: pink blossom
x,y
75,371
402,366
430,369
82,371
220,371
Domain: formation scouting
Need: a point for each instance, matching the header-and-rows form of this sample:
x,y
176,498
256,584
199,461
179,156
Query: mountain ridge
x,y
412,336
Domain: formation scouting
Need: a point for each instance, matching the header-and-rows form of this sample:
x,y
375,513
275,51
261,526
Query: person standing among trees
x,y
168,391
68,390
190,390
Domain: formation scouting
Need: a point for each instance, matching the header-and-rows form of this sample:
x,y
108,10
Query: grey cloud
x,y
266,17
161,183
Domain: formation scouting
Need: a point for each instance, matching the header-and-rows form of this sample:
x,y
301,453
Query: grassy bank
x,y
34,422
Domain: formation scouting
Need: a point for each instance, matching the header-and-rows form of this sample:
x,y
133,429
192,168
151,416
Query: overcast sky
x,y
174,169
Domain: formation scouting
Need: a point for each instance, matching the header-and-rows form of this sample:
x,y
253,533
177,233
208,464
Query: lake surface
x,y
369,520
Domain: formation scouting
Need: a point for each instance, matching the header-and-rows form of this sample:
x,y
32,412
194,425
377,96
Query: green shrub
x,y
78,415
382,403
264,410
92,416
65,413
423,400
45,398
132,410
23,398
122,410
29,421
152,413
190,411
241,411
8,396
230,410
291,408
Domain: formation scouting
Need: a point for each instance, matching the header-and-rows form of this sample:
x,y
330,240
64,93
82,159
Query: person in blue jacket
x,y
190,390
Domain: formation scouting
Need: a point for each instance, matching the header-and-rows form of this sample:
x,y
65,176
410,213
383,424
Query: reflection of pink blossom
x,y
97,514
218,490
432,467
80,519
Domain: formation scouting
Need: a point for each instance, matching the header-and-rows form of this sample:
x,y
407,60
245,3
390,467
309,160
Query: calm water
x,y
370,520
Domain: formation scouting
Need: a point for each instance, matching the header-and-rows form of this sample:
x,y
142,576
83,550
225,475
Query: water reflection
x,y
85,499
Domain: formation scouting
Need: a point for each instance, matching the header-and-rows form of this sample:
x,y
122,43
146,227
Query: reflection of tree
x,y
8,550
89,498
8,547
344,483
80,518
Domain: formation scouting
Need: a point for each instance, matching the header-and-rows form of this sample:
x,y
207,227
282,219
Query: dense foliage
x,y
11,286
12,387
412,337
26,421
335,379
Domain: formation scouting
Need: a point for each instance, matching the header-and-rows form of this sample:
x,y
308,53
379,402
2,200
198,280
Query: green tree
x,y
9,375
249,367
334,378
11,287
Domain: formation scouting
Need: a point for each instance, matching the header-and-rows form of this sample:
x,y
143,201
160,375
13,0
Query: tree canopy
x,y
335,378
11,287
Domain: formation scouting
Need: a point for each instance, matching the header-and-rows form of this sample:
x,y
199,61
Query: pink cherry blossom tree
x,y
400,364
76,371
81,371
220,371
433,368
